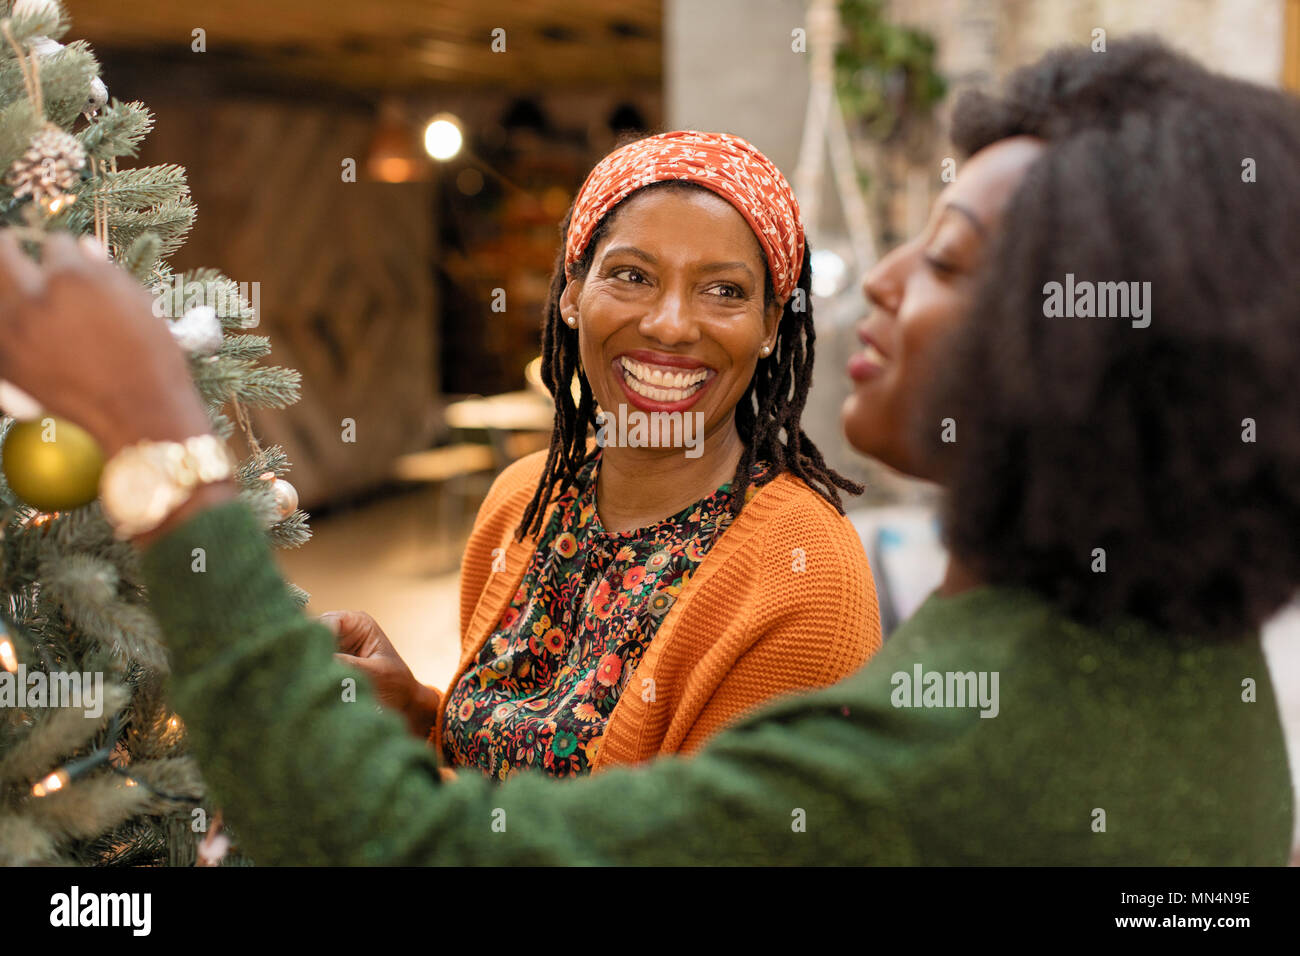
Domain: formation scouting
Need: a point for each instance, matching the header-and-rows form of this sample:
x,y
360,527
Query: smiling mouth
x,y
873,354
866,364
662,385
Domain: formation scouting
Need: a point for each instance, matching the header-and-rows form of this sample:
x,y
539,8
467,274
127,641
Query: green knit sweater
x,y
1106,747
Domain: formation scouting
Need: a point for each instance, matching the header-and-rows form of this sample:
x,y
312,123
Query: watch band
x,y
145,482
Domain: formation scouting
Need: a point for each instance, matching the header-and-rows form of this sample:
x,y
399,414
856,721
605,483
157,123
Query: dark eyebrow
x,y
974,220
642,254
723,266
631,251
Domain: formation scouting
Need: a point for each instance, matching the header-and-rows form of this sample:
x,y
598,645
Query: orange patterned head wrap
x,y
725,164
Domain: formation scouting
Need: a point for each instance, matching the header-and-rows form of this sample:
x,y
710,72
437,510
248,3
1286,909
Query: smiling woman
x,y
611,604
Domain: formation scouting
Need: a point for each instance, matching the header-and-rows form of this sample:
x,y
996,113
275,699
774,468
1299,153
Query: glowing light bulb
x,y
830,274
442,137
55,781
8,658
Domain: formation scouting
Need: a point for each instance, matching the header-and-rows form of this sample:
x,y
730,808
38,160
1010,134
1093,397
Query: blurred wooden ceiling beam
x,y
391,45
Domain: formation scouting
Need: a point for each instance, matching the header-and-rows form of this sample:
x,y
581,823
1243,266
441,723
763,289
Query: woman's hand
x,y
79,335
364,646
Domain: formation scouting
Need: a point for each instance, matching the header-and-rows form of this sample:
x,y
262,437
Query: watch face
x,y
136,492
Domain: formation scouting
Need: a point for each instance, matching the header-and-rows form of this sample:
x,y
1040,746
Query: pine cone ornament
x,y
47,172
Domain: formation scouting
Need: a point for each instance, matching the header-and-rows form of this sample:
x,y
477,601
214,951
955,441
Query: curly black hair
x,y
767,416
1175,448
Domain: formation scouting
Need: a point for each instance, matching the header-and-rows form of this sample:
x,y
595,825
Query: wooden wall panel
x,y
345,273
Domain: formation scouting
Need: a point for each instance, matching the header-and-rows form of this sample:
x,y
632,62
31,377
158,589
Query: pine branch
x,y
136,842
61,732
171,777
292,532
300,597
18,124
86,588
13,87
247,347
93,804
171,222
45,23
84,530
264,386
118,131
222,426
81,531
271,458
142,257
65,78
223,294
136,190
23,842
261,502
65,82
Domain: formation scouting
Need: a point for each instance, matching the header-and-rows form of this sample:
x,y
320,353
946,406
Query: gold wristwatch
x,y
143,483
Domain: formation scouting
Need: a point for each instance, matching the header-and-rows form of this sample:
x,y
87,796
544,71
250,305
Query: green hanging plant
x,y
884,72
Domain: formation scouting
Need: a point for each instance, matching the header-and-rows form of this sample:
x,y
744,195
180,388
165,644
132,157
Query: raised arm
x,y
306,777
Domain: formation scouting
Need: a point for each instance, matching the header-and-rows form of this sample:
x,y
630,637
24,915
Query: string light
x,y
8,657
54,782
73,769
173,730
42,519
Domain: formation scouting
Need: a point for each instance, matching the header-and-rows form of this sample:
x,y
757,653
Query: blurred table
x,y
514,423
524,411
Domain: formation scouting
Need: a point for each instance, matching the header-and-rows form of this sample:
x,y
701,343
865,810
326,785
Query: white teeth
x,y
661,386
873,354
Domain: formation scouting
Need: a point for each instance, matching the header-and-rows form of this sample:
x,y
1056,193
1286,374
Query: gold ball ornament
x,y
52,464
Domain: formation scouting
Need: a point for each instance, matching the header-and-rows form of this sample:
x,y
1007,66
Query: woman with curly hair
x,y
1086,687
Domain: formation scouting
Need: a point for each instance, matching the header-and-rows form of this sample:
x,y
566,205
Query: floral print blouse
x,y
565,650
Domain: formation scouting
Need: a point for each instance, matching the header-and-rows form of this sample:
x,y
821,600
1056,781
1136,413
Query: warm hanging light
x,y
443,137
393,157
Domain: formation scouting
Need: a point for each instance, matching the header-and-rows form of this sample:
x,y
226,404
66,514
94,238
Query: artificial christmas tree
x,y
92,761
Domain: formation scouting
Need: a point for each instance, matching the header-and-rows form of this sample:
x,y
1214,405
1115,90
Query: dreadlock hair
x,y
767,415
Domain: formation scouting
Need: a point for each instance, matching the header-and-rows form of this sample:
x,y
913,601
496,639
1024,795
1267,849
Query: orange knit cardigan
x,y
782,602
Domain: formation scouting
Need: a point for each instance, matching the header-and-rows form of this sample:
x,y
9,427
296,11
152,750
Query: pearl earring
x,y
572,320
765,350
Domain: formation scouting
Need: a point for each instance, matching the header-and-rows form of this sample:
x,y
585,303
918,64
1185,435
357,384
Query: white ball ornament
x,y
198,331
